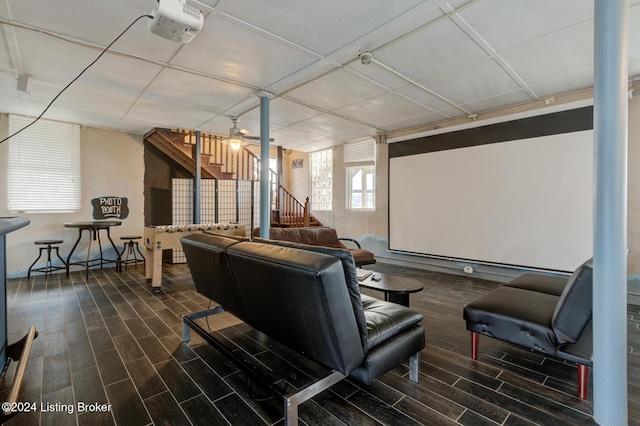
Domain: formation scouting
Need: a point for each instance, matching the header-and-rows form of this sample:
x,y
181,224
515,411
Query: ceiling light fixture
x,y
235,140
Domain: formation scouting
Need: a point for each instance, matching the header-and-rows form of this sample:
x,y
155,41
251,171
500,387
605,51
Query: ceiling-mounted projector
x,y
175,20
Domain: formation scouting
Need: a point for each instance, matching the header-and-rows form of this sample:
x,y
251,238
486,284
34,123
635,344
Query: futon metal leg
x,y
583,381
186,329
290,413
414,367
475,337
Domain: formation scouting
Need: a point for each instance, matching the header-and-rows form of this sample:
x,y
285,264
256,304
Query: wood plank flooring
x,y
109,341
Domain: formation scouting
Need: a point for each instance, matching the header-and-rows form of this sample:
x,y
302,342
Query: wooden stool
x,y
48,268
131,246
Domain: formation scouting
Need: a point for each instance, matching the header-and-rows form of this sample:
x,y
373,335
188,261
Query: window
x,y
359,160
321,179
361,187
44,166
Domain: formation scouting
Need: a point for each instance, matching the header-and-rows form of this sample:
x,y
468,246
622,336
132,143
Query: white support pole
x,y
610,213
265,193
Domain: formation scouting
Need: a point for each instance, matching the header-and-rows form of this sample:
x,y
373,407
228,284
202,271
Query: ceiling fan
x,y
239,137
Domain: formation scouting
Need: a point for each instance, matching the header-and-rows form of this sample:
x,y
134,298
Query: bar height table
x,y
93,228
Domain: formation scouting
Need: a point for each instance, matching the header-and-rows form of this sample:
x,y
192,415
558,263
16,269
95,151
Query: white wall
x,y
112,164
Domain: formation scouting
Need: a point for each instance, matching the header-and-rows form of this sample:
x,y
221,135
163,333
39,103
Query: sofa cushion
x,y
299,298
385,320
350,275
573,311
549,284
314,235
210,270
361,256
515,315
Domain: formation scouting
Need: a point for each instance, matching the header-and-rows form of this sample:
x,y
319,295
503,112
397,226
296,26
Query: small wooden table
x,y
396,289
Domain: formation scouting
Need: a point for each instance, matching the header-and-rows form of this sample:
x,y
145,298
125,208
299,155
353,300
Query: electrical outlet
x,y
468,269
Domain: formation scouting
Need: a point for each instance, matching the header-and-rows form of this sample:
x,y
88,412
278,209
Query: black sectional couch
x,y
307,298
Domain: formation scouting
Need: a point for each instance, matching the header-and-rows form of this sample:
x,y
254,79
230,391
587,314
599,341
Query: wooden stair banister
x,y
219,161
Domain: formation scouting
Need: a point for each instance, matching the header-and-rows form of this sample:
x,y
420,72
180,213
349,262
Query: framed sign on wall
x,y
110,207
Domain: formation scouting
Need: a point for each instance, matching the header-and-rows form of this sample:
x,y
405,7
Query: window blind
x,y
44,166
360,153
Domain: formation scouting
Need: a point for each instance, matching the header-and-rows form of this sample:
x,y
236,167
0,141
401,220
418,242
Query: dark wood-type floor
x,y
109,340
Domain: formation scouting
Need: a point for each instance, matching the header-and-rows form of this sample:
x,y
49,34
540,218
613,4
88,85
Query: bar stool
x,y
131,246
48,268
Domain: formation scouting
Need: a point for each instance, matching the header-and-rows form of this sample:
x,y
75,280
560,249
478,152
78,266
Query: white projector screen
x,y
524,202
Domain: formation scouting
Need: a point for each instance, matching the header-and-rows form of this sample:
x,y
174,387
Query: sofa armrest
x,y
352,240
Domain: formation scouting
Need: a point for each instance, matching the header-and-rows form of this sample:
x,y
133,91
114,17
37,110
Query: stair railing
x,y
286,209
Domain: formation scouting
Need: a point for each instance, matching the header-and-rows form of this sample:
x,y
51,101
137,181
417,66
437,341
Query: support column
x,y
197,179
265,193
610,213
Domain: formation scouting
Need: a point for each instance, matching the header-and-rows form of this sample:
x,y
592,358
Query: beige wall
x,y
112,164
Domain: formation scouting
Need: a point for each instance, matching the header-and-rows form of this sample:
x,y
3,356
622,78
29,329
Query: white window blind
x,y
44,166
360,153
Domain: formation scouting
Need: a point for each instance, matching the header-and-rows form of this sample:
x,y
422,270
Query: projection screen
x,y
518,193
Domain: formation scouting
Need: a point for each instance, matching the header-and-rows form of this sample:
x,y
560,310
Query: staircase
x,y
218,161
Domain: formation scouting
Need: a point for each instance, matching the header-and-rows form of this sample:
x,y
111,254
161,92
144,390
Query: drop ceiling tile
x,y
504,24
221,124
314,146
169,114
382,109
101,101
413,122
560,86
479,80
196,90
137,126
499,101
225,49
563,54
321,27
329,125
288,137
435,50
334,90
283,112
376,75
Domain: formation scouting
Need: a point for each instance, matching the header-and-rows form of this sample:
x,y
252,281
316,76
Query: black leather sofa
x,y
307,298
546,314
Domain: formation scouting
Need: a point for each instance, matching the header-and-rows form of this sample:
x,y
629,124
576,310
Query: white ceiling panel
x,y
173,115
292,138
479,80
382,109
334,90
329,125
505,24
102,101
237,53
321,27
199,91
283,112
497,101
556,55
414,57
